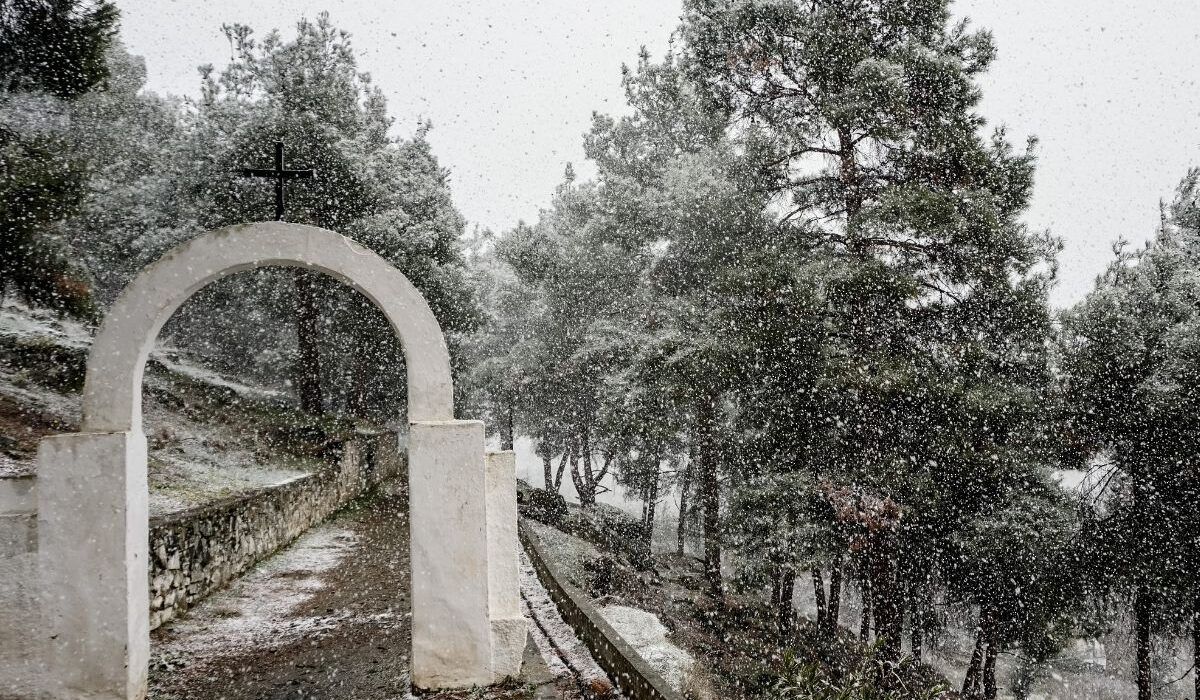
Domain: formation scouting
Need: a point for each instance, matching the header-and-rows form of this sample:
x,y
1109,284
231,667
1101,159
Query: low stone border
x,y
631,674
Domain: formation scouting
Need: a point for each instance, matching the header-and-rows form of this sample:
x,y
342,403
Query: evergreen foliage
x,y
1130,388
799,291
51,52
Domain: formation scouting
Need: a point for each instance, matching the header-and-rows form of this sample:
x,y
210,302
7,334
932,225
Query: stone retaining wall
x,y
634,678
197,551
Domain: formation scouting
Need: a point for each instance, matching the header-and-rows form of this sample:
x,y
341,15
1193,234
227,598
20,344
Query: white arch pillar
x,y
93,497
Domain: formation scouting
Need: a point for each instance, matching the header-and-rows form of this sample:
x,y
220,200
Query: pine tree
x,y
574,285
56,47
51,52
134,205
389,194
1131,392
865,115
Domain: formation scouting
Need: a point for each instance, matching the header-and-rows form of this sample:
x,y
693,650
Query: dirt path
x,y
328,617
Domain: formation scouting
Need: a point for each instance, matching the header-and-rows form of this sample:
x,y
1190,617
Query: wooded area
x,y
799,292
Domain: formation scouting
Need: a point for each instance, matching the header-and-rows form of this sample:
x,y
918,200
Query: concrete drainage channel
x,y
633,677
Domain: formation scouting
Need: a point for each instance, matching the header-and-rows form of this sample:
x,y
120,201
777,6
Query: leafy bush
x,y
870,678
543,506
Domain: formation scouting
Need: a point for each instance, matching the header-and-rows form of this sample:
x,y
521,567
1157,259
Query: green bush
x,y
543,506
870,678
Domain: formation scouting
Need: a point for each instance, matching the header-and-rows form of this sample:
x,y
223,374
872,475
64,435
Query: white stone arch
x,y
112,394
93,494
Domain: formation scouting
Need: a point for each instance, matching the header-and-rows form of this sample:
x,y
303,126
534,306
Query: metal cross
x,y
279,174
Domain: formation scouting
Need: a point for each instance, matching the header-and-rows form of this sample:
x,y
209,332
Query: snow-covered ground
x,y
641,629
19,320
566,553
194,457
1085,670
554,638
648,636
255,611
174,362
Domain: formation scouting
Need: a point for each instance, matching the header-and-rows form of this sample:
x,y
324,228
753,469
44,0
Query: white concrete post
x,y
93,541
504,586
20,606
451,634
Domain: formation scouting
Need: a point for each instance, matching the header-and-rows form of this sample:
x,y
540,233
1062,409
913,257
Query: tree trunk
x,y
1196,648
889,622
1142,624
971,683
853,194
651,503
710,500
506,425
683,506
989,671
587,493
358,396
917,623
577,480
864,625
562,467
308,366
819,595
548,469
783,613
835,598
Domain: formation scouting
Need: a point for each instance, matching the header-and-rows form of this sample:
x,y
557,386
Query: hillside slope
x,y
210,435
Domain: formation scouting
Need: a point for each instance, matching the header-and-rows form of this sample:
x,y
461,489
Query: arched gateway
x,y
467,626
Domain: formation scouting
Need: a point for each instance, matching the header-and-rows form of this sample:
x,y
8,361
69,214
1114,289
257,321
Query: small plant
x,y
869,679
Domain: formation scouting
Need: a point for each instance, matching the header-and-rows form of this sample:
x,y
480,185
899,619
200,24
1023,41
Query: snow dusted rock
x,y
645,633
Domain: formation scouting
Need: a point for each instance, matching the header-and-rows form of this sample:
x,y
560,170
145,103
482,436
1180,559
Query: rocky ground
x,y
328,617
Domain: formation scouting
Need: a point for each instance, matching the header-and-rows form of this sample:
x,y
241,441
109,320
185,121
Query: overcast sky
x,y
1111,90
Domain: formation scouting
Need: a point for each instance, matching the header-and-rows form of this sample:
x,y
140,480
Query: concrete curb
x,y
634,678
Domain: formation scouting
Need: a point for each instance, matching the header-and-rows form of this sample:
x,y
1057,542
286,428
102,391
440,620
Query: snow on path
x,y
561,649
172,360
20,320
254,612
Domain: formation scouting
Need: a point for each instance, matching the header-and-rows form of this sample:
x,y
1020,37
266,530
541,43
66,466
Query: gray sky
x,y
1112,91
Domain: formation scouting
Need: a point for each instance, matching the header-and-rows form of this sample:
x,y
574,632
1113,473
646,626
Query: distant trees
x,y
134,205
799,287
832,310
568,291
55,47
935,364
389,194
